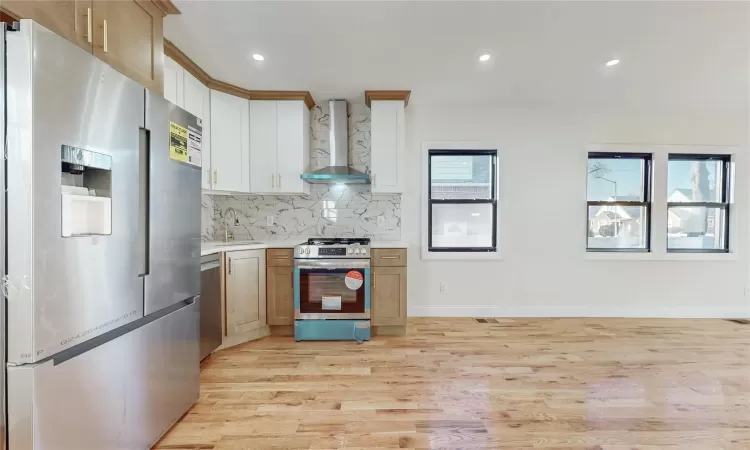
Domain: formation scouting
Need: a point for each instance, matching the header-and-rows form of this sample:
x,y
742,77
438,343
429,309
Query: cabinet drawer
x,y
388,257
280,257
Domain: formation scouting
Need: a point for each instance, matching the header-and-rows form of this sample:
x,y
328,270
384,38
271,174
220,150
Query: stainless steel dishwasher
x,y
210,304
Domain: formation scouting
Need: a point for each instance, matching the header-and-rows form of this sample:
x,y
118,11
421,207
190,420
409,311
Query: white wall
x,y
543,168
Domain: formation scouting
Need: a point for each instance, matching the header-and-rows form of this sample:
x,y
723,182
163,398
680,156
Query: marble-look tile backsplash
x,y
208,216
329,210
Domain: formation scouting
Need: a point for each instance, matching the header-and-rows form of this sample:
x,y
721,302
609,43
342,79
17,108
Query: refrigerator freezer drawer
x,y
121,395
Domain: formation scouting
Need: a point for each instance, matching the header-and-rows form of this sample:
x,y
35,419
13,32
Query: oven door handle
x,y
332,264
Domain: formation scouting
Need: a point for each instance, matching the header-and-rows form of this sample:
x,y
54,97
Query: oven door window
x,y
331,291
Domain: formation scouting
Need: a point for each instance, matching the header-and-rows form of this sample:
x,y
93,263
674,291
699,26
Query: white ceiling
x,y
677,54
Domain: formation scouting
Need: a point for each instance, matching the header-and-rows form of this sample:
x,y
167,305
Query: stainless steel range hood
x,y
338,170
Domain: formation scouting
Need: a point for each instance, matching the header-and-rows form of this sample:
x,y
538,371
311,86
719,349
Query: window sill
x,y
646,256
461,256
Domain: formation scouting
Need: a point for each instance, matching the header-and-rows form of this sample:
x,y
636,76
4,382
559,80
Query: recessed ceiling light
x,y
484,57
613,62
258,57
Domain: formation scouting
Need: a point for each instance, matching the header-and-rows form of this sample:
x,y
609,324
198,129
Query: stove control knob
x,y
301,251
349,250
307,251
356,250
364,251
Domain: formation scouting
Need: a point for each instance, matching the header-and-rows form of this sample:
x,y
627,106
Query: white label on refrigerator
x,y
194,148
332,303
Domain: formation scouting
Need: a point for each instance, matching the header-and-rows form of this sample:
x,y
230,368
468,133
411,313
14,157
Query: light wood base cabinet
x,y
388,296
280,295
388,291
245,291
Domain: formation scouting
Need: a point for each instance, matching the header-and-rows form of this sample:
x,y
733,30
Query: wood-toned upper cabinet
x,y
128,36
70,19
280,295
245,291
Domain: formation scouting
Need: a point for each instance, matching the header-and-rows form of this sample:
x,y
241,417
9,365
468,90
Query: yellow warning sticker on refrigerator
x,y
178,142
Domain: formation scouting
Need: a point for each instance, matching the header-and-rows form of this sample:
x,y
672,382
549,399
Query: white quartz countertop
x,y
212,247
388,244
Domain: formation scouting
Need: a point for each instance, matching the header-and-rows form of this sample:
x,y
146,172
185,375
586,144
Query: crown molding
x,y
182,59
188,64
284,95
387,95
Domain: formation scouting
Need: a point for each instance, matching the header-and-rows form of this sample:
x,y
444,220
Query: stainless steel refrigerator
x,y
102,246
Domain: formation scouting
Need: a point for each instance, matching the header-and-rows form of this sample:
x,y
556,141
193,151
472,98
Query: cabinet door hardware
x,y
89,32
105,36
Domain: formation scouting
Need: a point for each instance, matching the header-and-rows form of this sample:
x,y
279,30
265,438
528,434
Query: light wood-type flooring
x,y
610,384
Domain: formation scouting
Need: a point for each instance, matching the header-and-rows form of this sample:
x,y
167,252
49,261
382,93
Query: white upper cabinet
x,y
193,95
262,146
292,146
185,91
230,146
259,146
387,146
173,82
197,99
206,167
279,146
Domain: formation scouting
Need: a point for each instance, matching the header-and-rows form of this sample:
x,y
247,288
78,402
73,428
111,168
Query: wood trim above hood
x,y
387,95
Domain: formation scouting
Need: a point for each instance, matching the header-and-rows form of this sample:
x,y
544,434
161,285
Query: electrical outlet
x,y
442,287
381,221
269,221
747,291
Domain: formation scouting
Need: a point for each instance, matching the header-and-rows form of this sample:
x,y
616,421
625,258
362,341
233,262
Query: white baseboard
x,y
576,311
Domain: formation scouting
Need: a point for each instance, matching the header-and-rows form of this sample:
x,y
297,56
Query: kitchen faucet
x,y
228,236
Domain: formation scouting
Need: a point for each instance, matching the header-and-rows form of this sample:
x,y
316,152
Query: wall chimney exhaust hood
x,y
338,170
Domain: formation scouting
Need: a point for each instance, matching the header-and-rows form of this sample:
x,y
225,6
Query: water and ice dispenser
x,y
86,192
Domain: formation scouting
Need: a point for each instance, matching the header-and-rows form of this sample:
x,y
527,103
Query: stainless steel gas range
x,y
332,289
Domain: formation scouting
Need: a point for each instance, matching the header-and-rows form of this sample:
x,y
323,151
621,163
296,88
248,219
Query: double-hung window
x,y
462,201
698,198
618,194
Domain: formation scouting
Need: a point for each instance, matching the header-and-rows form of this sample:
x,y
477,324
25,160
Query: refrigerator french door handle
x,y
144,174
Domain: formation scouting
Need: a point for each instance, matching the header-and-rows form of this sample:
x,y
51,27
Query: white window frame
x,y
462,256
659,211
